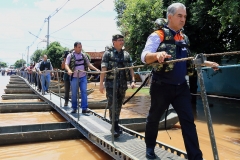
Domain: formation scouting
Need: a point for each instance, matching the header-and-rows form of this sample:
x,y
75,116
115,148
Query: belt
x,y
159,82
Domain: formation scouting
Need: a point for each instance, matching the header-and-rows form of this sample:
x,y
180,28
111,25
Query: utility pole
x,y
48,32
27,55
22,59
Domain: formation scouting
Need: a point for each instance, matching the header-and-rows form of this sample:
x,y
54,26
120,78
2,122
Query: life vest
x,y
73,62
118,60
45,66
169,45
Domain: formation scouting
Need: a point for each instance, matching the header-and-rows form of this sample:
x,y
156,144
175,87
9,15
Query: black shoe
x,y
47,91
116,134
86,111
117,128
150,153
74,111
66,103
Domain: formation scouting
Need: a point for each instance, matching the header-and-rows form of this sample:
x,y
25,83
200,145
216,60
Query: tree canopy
x,y
36,55
135,19
212,26
54,53
3,64
19,63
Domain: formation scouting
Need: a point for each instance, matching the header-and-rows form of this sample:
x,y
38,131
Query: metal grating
x,y
129,146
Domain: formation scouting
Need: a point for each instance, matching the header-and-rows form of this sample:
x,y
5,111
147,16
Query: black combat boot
x,y
150,153
117,128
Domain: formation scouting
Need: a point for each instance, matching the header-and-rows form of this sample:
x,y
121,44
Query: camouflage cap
x,y
116,36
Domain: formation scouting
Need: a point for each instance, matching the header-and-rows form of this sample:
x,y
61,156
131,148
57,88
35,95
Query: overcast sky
x,y
19,17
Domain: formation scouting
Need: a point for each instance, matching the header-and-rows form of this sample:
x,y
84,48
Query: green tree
x,y
19,63
227,12
36,55
212,26
135,20
54,53
3,64
210,32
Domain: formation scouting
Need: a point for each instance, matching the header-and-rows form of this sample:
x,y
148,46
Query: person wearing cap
x,y
116,57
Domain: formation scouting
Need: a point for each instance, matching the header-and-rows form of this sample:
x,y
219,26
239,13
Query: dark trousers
x,y
39,84
162,95
120,95
67,90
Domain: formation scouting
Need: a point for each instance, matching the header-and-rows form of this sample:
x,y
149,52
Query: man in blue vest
x,y
169,85
45,68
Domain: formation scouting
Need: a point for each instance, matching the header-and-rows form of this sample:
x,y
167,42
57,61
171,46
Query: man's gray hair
x,y
173,7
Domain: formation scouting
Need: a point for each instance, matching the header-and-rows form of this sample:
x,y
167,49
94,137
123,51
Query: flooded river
x,y
225,117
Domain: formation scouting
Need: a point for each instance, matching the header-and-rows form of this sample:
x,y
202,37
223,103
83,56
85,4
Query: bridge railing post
x,y
114,102
198,61
78,94
49,87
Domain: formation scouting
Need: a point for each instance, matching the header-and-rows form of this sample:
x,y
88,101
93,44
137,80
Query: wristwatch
x,y
133,81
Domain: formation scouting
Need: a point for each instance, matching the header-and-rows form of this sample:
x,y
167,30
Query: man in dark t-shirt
x,y
66,79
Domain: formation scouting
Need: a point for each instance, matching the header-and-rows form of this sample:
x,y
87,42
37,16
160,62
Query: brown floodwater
x,y
57,150
12,119
225,117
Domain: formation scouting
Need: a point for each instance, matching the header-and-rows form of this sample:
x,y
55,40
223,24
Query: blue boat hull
x,y
225,81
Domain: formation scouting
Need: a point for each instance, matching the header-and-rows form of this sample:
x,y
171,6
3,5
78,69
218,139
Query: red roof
x,y
96,55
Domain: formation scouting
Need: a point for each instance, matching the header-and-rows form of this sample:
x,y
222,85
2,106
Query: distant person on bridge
x,y
169,85
45,68
75,61
116,57
29,72
22,70
38,76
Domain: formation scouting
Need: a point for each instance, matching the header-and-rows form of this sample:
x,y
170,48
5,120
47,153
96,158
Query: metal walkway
x,y
130,145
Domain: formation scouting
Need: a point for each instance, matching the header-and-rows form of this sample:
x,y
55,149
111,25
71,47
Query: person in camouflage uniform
x,y
116,57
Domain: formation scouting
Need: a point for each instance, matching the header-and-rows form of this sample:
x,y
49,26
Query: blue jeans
x,y
45,79
83,89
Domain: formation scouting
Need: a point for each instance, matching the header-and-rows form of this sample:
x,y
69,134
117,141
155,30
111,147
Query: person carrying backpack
x,y
75,61
116,57
45,68
169,85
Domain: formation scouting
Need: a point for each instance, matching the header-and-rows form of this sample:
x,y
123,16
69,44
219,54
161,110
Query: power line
x,y
37,36
80,39
51,15
62,42
78,17
57,10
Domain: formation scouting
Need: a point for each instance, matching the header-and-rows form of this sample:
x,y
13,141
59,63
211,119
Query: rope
x,y
152,64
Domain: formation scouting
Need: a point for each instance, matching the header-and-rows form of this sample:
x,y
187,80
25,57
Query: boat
x,y
224,82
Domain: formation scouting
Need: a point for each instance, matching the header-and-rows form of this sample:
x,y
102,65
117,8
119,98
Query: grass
x,y
142,90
